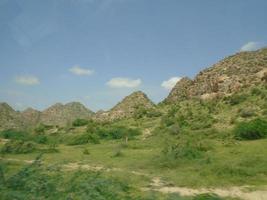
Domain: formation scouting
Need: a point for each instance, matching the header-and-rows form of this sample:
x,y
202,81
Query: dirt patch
x,y
238,192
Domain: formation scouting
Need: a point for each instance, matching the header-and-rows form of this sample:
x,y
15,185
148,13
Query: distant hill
x,y
30,116
9,118
228,76
60,114
127,107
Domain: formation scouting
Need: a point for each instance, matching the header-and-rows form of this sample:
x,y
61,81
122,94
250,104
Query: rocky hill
x,y
231,74
61,115
127,107
30,116
9,118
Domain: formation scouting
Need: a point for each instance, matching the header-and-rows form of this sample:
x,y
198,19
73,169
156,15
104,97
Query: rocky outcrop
x,y
126,108
9,118
61,115
30,116
233,73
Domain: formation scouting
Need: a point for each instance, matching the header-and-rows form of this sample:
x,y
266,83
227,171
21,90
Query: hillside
x,y
228,76
9,118
59,114
31,117
127,107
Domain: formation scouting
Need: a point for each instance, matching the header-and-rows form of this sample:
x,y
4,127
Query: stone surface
x,y
231,74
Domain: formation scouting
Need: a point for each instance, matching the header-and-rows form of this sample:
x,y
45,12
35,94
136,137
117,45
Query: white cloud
x,y
124,83
250,46
169,84
27,80
77,70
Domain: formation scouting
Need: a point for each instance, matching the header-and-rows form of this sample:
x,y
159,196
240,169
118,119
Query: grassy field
x,y
188,148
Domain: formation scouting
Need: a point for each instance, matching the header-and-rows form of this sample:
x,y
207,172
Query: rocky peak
x,y
127,107
9,118
31,116
60,114
238,71
180,90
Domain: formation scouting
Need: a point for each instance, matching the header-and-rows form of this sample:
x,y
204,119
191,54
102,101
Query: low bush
x,y
252,130
35,182
80,122
18,146
84,139
184,149
207,197
235,99
14,135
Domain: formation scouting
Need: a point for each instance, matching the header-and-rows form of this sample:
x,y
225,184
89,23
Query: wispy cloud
x,y
169,84
120,82
27,80
250,46
77,70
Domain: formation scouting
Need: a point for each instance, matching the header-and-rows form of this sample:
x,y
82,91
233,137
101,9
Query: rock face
x,y
9,118
231,74
127,107
61,115
30,116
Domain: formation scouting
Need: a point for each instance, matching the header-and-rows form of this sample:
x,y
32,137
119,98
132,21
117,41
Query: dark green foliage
x,y
235,99
184,149
86,152
194,115
80,122
24,136
252,130
41,128
146,112
117,132
15,135
207,197
18,146
36,182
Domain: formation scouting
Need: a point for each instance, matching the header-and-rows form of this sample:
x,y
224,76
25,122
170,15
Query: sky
x,y
98,51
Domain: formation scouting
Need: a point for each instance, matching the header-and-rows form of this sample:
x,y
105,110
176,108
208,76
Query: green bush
x,y
86,152
186,148
80,122
41,128
235,99
36,182
84,139
117,132
14,135
18,146
252,130
207,197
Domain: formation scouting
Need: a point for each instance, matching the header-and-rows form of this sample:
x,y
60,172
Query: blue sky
x,y
98,51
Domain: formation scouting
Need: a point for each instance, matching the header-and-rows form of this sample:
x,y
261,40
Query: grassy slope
x,y
226,163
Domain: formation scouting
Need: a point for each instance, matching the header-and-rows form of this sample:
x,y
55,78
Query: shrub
x,y
235,99
84,139
41,128
17,147
188,149
174,129
86,152
41,139
14,135
207,197
246,113
252,130
80,122
117,132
